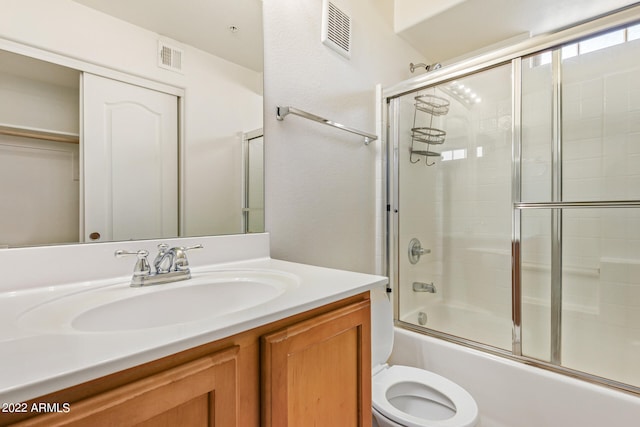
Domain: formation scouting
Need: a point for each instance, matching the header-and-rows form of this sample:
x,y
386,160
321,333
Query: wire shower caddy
x,y
423,137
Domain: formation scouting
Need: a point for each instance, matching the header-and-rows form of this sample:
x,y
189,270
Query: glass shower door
x,y
453,148
516,206
580,210
253,183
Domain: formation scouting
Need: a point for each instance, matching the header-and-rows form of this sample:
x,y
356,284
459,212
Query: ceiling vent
x,y
336,29
169,57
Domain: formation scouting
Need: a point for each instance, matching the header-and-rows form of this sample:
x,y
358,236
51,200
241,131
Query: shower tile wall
x,y
601,247
460,208
601,124
537,125
417,220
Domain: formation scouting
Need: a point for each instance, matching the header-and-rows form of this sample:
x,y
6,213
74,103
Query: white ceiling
x,y
471,25
465,27
203,24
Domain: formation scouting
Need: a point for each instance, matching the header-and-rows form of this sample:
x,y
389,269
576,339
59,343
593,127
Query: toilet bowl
x,y
412,397
408,396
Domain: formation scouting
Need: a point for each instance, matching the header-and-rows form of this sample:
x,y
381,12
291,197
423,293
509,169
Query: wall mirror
x,y
63,66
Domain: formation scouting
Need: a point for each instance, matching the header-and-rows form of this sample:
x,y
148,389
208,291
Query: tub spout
x,y
424,287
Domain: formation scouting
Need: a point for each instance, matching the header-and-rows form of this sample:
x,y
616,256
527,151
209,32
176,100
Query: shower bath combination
x,y
533,207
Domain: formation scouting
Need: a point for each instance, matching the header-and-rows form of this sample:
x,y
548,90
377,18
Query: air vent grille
x,y
169,57
336,29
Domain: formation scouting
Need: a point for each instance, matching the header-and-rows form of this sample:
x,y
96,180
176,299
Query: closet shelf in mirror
x,y
43,134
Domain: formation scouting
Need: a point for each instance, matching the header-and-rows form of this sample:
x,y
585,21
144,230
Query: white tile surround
x,y
461,209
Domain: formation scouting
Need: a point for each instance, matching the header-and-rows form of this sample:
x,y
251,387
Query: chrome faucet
x,y
164,259
170,265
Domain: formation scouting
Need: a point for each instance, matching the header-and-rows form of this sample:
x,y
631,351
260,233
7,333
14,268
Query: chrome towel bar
x,y
281,113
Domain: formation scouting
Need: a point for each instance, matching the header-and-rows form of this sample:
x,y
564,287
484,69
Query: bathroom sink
x,y
119,307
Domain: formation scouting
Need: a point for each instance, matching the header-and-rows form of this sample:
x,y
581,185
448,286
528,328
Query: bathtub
x,y
512,394
591,338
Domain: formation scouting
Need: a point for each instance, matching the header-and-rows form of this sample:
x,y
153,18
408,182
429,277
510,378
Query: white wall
x,y
217,94
320,182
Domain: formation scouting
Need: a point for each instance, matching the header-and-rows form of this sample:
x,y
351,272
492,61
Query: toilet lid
x,y
466,408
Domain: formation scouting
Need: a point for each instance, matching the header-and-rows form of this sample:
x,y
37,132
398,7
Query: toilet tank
x,y
381,327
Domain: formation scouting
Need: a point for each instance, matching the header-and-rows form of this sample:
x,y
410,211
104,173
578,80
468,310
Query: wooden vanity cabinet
x,y
313,368
318,372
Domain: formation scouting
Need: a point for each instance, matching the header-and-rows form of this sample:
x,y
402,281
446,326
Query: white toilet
x,y
407,396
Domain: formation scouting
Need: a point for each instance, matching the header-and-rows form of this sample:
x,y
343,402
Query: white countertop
x,y
37,362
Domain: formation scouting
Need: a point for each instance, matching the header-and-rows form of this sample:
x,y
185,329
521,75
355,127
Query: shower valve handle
x,y
420,251
416,250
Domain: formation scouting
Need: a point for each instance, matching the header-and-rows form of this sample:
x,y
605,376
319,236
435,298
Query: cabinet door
x,y
318,372
198,393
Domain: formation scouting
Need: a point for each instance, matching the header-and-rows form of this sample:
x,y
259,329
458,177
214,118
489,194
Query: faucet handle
x,y
181,263
142,265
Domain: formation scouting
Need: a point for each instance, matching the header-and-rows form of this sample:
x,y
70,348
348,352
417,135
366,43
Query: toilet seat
x,y
425,385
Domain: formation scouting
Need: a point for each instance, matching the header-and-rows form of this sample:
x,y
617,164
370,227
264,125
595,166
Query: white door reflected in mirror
x,y
131,165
